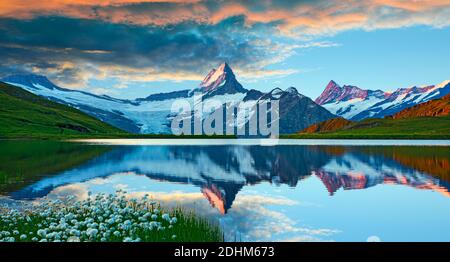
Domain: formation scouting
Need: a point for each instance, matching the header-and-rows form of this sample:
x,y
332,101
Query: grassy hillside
x,y
429,120
25,115
328,125
409,128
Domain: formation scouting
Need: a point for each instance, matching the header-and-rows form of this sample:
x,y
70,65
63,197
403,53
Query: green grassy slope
x,y
25,115
410,128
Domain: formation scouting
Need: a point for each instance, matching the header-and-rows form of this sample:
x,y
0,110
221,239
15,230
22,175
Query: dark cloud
x,y
74,40
50,43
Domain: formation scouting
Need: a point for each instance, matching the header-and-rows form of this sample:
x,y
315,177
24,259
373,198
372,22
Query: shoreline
x,y
284,140
262,142
231,137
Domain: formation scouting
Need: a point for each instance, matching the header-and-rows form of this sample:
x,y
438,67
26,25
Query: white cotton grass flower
x,y
73,239
128,239
101,217
166,217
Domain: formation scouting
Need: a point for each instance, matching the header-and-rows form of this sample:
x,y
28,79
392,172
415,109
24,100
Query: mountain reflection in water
x,y
222,171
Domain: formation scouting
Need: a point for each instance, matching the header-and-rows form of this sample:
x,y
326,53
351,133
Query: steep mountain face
x,y
296,110
355,103
436,107
152,114
220,81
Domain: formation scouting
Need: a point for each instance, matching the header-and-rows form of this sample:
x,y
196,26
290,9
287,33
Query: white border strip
x,y
262,142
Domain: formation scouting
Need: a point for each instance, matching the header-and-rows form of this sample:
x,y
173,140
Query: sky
x,y
132,48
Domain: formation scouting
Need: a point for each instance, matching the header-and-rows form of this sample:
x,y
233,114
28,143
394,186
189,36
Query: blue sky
x,y
131,48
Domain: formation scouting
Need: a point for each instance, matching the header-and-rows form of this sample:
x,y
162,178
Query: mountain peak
x,y
221,80
292,90
30,80
443,84
225,67
217,77
335,93
332,84
329,94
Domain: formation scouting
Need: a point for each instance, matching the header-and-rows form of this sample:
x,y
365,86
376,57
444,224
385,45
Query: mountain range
x,y
354,103
152,114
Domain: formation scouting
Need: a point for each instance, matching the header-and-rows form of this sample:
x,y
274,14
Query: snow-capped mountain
x,y
152,114
220,81
105,108
354,103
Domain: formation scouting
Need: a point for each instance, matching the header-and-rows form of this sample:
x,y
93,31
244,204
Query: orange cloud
x,y
313,18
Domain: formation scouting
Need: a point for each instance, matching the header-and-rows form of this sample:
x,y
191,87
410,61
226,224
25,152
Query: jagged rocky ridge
x,y
354,103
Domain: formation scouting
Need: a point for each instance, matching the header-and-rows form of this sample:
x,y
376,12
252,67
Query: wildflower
x,y
41,233
91,232
23,237
166,217
127,239
73,239
10,239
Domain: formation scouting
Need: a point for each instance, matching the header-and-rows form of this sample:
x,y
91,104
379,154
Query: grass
x,y
105,218
25,115
411,128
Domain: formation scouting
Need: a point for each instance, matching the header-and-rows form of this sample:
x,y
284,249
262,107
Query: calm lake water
x,y
294,191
